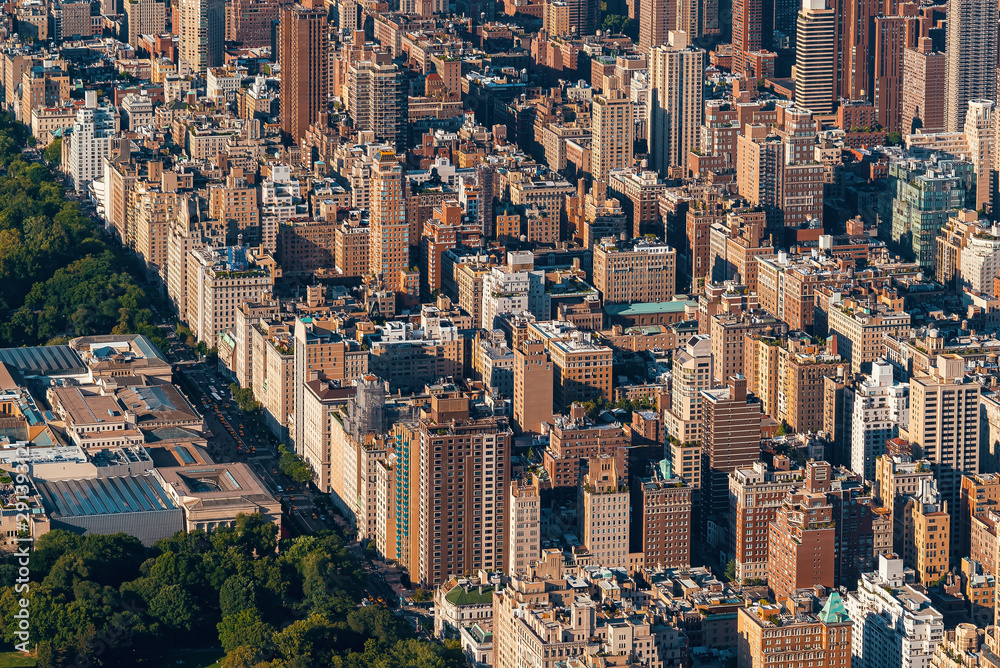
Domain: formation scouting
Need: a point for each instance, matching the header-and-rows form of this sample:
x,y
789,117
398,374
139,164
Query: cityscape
x,y
513,334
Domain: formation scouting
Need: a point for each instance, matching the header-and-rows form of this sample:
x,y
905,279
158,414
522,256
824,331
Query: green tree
x,y
246,628
730,572
238,593
894,138
293,466
53,152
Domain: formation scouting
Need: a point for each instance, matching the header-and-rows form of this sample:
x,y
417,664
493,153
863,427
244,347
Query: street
x,y
233,439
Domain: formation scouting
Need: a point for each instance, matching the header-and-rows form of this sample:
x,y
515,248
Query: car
x,y
280,489
322,518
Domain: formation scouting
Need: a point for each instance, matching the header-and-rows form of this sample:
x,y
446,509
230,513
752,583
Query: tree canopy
x,y
60,275
108,601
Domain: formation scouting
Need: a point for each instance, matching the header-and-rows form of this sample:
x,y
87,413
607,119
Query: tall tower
x,y
979,131
815,56
971,56
202,31
858,43
613,127
303,43
944,424
676,71
389,239
748,30
923,81
145,17
656,20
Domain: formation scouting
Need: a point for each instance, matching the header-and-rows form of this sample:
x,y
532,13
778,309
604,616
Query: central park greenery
x,y
108,601
60,274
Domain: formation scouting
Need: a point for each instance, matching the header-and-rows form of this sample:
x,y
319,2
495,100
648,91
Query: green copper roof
x,y
833,612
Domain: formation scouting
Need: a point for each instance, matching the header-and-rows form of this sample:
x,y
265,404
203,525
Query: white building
x,y
693,371
513,289
93,131
894,623
881,409
137,111
980,260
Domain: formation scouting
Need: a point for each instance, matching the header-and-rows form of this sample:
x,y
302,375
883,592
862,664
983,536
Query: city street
x,y
234,439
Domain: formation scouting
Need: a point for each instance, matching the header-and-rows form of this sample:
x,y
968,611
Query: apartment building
x,y
756,493
461,531
525,530
881,410
801,538
860,329
575,439
636,270
769,635
662,522
894,622
582,368
219,279
692,373
533,387
944,425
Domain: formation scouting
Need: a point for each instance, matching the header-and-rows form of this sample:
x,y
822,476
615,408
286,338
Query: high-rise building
x,y
459,531
755,494
923,80
895,624
571,350
662,519
800,542
320,352
892,35
748,33
93,131
201,27
72,19
979,130
374,97
917,215
944,423
145,17
676,73
217,280
926,533
574,439
693,372
730,440
860,329
881,409
971,58
250,22
612,126
604,513
525,523
856,50
980,493
389,236
656,20
776,167
303,45
815,57
533,386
